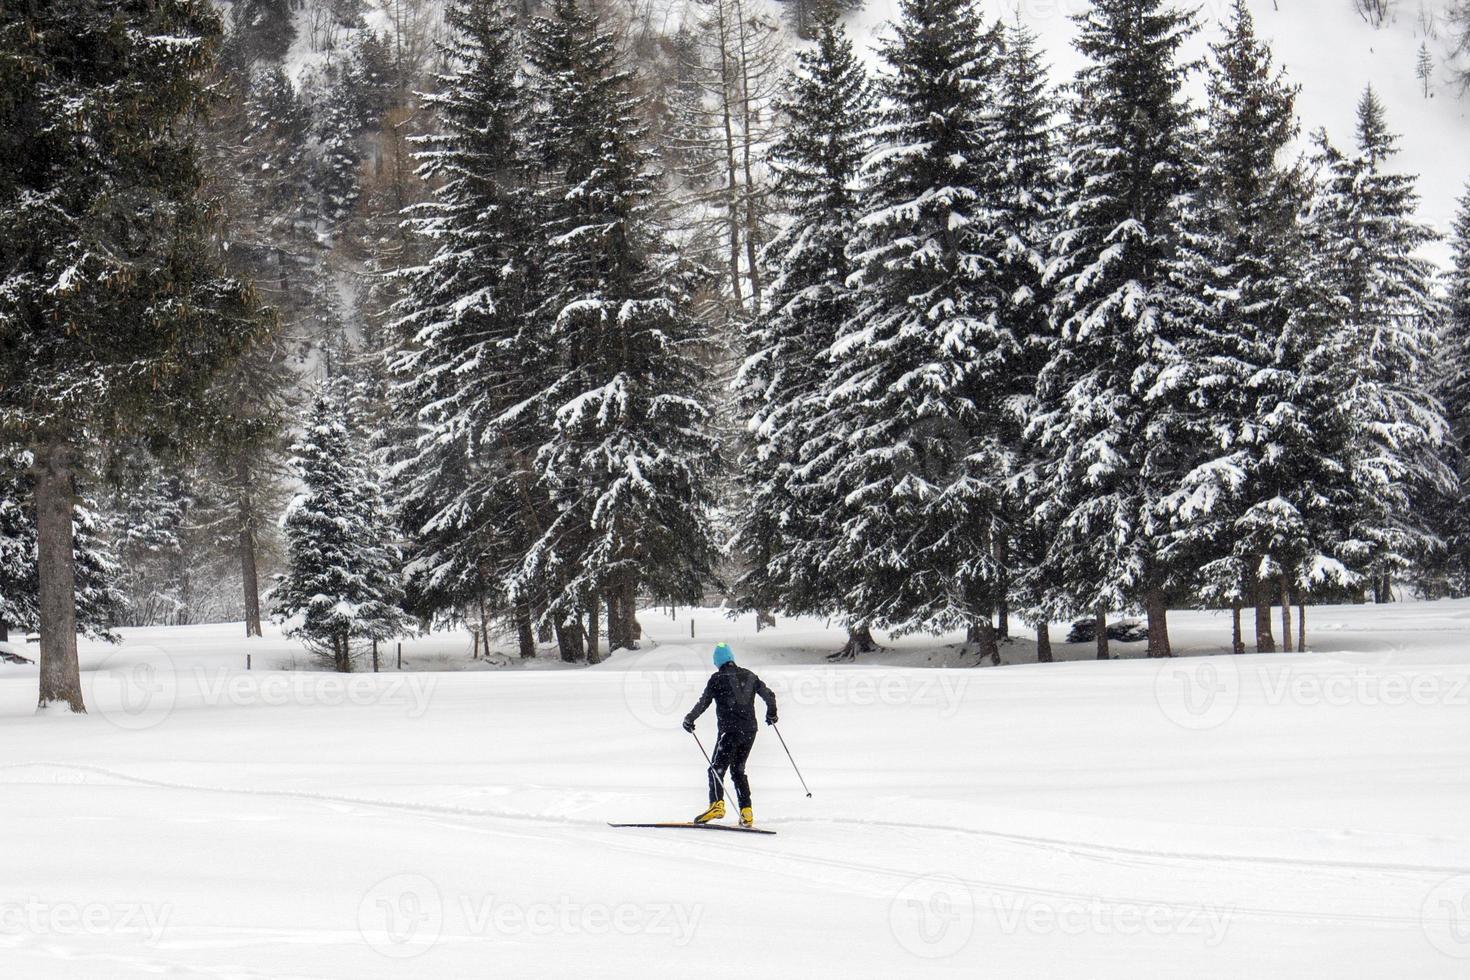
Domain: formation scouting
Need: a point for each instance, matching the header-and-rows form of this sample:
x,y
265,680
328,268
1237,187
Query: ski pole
x,y
793,761
712,766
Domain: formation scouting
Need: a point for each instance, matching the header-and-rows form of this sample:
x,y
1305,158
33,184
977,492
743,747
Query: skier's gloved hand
x,y
770,717
689,724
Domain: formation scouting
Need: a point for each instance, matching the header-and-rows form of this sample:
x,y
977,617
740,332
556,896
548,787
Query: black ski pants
x,y
732,748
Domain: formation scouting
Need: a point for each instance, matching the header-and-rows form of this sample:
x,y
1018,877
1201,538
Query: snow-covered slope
x,y
1214,816
1332,53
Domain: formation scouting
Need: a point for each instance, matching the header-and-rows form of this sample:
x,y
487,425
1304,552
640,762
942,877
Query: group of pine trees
x,y
1071,352
921,348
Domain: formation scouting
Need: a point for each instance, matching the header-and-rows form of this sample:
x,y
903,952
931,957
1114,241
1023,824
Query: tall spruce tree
x,y
1453,386
466,366
342,584
1248,405
916,465
629,459
114,314
1130,165
782,534
1377,293
1027,110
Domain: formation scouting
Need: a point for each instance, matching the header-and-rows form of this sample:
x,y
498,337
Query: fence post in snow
x,y
691,627
400,654
247,661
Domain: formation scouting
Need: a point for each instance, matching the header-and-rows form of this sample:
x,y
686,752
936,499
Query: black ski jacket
x,y
733,690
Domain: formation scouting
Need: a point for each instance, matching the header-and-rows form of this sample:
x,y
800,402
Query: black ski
x,y
699,826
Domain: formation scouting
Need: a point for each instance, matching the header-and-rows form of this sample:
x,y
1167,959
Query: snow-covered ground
x,y
1298,815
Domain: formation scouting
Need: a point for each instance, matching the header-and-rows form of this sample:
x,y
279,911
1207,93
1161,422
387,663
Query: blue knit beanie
x,y
723,654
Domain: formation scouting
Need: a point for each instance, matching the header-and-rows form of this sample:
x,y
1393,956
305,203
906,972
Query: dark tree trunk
x,y
1285,615
1383,587
484,623
981,636
1043,643
593,608
342,650
569,639
1265,642
859,640
56,570
249,574
1003,620
1301,626
1157,608
1102,634
545,632
1237,641
631,626
617,637
525,635
4,632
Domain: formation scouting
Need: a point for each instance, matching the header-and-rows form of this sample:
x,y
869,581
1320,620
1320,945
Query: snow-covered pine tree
x,y
338,124
916,466
114,312
629,460
342,580
99,602
150,506
467,373
1453,387
1378,294
1130,166
1259,444
1026,114
781,532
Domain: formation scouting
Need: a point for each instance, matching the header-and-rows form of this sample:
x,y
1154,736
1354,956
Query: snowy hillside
x,y
1332,53
1257,816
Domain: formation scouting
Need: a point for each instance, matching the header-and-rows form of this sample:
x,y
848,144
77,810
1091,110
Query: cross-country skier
x,y
732,689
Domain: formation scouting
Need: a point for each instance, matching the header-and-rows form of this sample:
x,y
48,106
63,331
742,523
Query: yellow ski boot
x,y
716,811
747,817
